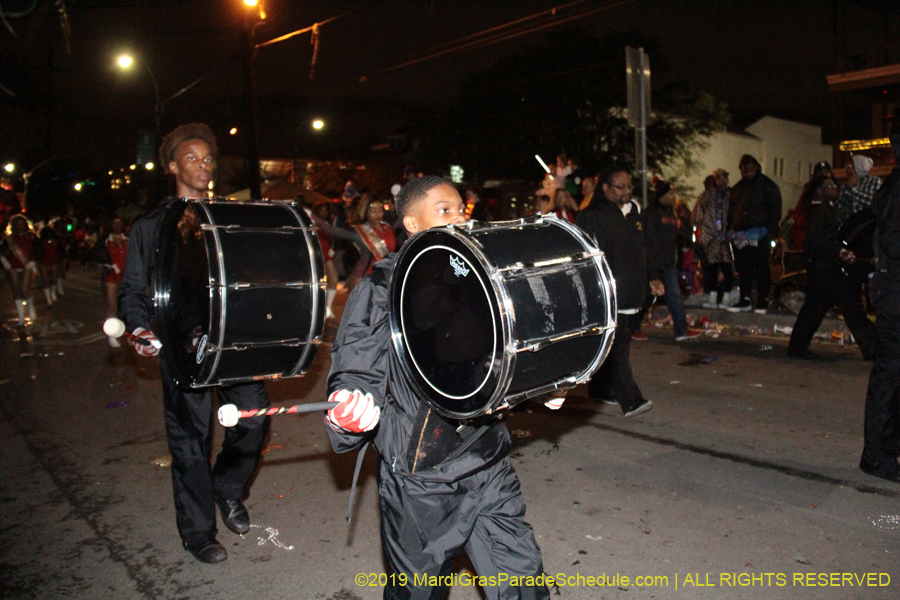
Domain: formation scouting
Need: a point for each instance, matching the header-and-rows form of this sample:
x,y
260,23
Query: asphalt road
x,y
741,483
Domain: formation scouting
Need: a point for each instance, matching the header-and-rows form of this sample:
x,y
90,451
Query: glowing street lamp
x,y
9,167
318,124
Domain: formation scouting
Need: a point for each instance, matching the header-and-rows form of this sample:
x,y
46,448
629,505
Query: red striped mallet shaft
x,y
114,328
229,415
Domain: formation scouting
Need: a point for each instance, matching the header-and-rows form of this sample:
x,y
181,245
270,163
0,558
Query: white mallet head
x,y
113,327
229,415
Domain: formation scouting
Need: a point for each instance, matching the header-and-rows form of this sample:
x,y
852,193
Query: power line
x,y
315,26
500,38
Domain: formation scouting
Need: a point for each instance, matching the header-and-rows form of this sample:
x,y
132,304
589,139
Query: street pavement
x,y
741,483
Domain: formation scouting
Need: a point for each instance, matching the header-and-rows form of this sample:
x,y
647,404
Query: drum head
x,y
182,291
447,325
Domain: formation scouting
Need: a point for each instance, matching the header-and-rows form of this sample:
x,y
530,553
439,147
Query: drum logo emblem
x,y
459,267
201,349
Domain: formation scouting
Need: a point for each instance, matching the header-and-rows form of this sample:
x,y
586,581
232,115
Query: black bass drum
x,y
239,289
485,315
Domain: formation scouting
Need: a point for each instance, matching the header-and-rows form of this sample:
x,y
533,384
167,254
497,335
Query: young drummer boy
x,y
471,500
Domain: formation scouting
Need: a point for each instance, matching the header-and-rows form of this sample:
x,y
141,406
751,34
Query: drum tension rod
x,y
580,257
540,344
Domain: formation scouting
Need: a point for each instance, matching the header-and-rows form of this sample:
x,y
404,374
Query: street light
x,y
125,62
9,167
318,124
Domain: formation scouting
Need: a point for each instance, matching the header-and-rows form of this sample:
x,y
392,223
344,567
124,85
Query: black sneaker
x,y
743,306
804,353
641,406
762,307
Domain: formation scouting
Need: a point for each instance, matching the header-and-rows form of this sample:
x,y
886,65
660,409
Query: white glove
x,y
355,412
555,400
149,350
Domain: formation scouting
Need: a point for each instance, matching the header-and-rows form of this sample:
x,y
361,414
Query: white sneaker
x,y
712,303
697,299
731,298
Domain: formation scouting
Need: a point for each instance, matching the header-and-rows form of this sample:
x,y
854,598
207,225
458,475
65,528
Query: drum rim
x,y
317,274
174,212
223,293
507,358
493,321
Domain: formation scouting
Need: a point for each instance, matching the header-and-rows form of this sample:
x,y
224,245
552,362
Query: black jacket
x,y
362,359
662,233
823,239
135,301
886,204
756,203
621,238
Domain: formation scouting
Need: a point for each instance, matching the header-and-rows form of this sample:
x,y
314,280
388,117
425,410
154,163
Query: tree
x,y
566,96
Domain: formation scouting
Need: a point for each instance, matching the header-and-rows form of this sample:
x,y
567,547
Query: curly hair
x,y
185,133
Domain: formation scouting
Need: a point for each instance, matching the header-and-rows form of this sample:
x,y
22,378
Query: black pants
x,y
829,286
188,416
882,429
752,263
615,376
426,524
711,278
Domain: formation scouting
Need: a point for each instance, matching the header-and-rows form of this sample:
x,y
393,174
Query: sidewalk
x,y
722,323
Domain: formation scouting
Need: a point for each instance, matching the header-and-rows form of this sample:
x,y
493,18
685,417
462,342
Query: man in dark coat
x,y
755,215
616,225
663,229
470,500
882,428
827,283
189,153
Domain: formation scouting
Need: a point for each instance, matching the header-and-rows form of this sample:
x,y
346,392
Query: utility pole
x,y
251,146
637,72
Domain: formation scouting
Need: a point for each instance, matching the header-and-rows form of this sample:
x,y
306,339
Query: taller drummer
x,y
470,498
189,153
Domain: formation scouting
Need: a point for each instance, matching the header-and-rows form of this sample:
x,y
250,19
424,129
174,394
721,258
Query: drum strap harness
x,y
432,436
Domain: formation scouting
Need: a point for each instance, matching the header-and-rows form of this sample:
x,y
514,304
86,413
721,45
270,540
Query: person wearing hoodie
x,y
661,232
860,187
754,222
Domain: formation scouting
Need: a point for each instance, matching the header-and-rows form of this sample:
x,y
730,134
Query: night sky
x,y
760,57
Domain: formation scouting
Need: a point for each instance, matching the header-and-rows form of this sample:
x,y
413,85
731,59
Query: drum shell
x,y
552,312
260,302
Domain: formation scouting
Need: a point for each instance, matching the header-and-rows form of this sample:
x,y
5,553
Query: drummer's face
x,y
440,206
193,168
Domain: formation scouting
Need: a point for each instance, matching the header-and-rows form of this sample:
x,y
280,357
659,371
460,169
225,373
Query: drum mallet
x,y
229,414
115,328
